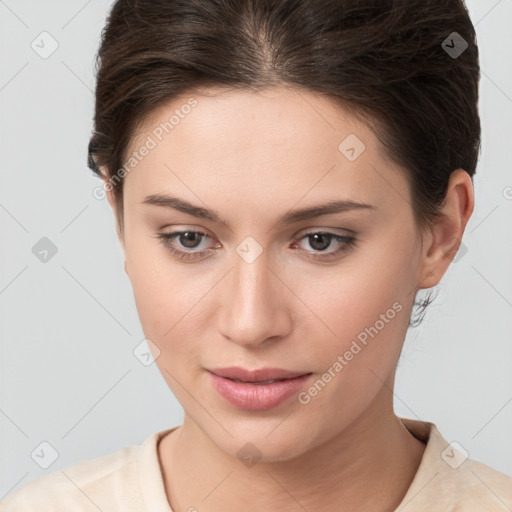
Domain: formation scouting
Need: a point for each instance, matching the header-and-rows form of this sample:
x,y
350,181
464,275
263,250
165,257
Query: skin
x,y
253,157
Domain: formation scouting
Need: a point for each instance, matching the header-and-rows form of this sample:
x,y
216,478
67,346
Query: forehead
x,y
285,143
277,116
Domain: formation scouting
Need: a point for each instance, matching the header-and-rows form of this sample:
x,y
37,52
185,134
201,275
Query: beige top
x,y
130,480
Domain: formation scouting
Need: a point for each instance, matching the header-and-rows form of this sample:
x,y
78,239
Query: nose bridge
x,y
254,307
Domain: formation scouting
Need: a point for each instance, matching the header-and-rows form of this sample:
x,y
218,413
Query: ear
x,y
444,239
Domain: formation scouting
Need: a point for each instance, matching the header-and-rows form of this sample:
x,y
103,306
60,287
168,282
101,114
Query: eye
x,y
181,244
321,240
187,240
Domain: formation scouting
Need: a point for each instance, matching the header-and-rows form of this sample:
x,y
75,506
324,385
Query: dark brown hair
x,y
396,63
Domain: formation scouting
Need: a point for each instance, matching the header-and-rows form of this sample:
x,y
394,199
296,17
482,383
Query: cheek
x,y
158,286
165,306
366,304
360,311
369,320
171,300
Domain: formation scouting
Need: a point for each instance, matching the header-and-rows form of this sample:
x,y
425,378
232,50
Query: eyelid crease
x,y
348,243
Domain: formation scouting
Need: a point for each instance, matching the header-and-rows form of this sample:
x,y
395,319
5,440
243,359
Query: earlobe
x,y
447,231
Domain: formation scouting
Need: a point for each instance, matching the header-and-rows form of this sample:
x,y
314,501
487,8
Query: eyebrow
x,y
291,217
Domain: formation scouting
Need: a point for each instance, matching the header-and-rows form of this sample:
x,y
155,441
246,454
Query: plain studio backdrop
x,y
74,383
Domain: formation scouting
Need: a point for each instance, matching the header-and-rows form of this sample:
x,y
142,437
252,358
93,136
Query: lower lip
x,y
257,397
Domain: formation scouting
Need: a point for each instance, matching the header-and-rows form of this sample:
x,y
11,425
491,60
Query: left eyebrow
x,y
292,217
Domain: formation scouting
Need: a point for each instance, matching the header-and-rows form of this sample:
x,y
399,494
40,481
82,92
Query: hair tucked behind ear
x,y
386,60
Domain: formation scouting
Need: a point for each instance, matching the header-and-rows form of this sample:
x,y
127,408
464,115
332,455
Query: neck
x,y
374,452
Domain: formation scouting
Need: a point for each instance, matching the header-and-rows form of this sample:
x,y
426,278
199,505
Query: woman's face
x,y
257,291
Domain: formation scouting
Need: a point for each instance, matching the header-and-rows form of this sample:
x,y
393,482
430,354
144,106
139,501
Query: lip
x,y
258,375
251,395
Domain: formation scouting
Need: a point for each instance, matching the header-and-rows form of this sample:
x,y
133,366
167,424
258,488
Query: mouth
x,y
257,390
257,376
262,382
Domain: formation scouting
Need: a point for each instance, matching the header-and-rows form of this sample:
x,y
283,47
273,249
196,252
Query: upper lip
x,y
263,374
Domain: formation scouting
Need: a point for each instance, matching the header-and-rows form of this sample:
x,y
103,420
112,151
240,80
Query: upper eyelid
x,y
302,234
197,229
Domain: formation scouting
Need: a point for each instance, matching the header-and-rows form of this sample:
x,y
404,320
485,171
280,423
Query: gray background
x,y
68,327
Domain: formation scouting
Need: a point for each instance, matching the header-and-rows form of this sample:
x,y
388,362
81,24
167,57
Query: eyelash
x,y
349,243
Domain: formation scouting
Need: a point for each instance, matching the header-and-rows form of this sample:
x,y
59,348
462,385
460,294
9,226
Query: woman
x,y
285,176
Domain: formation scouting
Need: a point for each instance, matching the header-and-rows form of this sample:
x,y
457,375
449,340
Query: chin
x,y
264,444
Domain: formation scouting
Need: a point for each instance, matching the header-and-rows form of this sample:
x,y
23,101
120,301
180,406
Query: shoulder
x,y
83,486
448,480
477,486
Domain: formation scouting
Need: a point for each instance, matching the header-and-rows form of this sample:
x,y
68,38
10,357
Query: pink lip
x,y
236,372
250,395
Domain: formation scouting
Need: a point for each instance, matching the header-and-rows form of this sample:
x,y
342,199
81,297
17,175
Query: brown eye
x,y
319,241
189,239
181,243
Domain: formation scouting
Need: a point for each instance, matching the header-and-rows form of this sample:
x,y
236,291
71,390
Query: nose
x,y
256,305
